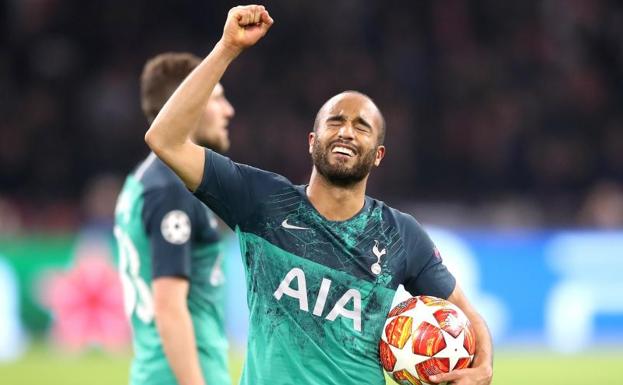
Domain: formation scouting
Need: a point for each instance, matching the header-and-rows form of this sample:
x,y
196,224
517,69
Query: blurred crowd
x,y
499,113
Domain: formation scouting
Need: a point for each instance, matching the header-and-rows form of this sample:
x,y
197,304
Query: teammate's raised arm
x,y
169,134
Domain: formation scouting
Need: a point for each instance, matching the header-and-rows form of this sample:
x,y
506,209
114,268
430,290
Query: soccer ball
x,y
424,336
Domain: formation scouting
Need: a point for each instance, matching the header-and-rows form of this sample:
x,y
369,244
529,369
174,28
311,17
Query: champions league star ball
x,y
424,336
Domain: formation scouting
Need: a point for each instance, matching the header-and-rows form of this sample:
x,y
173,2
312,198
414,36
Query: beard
x,y
340,174
219,144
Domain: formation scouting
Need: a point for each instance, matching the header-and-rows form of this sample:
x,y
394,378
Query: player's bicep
x,y
187,160
425,272
169,293
169,257
432,279
168,219
459,298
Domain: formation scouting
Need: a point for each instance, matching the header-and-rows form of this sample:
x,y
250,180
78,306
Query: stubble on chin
x,y
340,174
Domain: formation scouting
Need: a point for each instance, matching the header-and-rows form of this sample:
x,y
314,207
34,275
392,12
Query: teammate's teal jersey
x,y
162,230
318,290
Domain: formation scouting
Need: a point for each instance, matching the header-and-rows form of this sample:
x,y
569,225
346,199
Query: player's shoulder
x,y
405,223
157,177
270,176
161,188
255,174
411,233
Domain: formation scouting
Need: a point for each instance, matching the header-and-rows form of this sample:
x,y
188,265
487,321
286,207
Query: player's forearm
x,y
484,346
172,127
482,366
178,341
169,134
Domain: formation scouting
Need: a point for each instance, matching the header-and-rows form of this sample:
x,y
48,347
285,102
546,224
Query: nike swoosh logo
x,y
286,225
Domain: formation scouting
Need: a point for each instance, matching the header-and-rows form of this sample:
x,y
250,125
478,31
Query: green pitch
x,y
42,366
596,367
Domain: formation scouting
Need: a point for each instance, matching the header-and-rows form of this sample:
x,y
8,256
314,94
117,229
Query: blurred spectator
x,y
486,101
10,218
603,207
99,200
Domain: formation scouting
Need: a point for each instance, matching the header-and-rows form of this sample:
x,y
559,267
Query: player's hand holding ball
x,y
245,25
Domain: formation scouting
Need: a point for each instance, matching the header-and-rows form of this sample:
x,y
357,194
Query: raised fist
x,y
245,25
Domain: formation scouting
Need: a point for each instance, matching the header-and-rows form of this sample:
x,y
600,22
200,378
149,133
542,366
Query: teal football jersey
x,y
318,291
163,230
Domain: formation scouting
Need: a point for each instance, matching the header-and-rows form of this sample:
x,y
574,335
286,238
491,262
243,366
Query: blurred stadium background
x,y
505,137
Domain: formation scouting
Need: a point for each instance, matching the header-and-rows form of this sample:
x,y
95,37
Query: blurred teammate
x,y
169,248
323,260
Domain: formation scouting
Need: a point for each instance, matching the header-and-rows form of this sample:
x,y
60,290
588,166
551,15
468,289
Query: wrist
x,y
229,51
486,370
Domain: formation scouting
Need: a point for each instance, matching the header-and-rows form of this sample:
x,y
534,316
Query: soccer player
x,y
170,252
323,261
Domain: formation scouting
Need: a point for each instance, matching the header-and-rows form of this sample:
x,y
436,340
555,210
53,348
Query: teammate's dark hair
x,y
161,75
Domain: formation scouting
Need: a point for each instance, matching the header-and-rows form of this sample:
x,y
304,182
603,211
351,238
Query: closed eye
x,y
362,124
336,120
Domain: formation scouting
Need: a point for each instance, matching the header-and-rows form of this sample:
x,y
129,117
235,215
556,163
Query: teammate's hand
x,y
245,25
470,376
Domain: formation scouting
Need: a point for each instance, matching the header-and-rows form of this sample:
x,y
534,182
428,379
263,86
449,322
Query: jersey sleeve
x,y
233,190
169,217
426,273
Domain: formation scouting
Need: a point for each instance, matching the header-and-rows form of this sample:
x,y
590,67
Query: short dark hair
x,y
161,76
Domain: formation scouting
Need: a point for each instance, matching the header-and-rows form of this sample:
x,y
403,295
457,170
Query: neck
x,y
336,203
